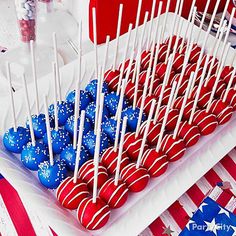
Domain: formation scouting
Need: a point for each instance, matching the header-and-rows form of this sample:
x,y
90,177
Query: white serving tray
x,y
142,208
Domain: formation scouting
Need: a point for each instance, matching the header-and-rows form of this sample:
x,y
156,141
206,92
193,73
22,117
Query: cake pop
x,y
71,194
115,191
220,87
33,153
15,138
51,173
112,79
84,99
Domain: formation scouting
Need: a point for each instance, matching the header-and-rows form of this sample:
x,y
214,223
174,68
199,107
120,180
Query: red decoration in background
x,y
107,14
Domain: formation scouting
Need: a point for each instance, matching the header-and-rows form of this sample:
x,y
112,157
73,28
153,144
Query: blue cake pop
x,y
111,102
65,110
91,88
39,125
91,113
89,141
132,116
52,176
32,156
15,140
60,139
109,128
69,126
69,156
84,99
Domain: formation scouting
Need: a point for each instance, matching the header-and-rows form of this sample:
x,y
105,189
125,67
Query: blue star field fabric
x,y
211,220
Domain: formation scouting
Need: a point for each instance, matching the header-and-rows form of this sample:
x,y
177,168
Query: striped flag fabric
x,y
222,175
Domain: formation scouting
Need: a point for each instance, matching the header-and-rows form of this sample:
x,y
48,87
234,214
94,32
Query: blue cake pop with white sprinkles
x,y
91,112
132,115
15,140
51,176
60,139
65,110
89,141
109,128
84,99
33,155
91,88
69,126
69,156
111,102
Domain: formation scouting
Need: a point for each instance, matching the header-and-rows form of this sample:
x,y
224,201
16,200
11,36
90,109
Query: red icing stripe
x,y
229,165
157,227
16,209
179,214
224,198
196,195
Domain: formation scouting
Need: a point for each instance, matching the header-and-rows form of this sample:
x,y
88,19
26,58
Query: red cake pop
x,y
178,62
147,103
203,97
188,107
190,68
171,120
112,79
161,70
130,91
206,122
166,94
162,52
222,111
114,195
215,65
145,59
195,53
155,162
92,215
86,173
126,65
153,132
109,160
221,86
70,194
132,145
135,178
173,41
227,73
189,133
230,98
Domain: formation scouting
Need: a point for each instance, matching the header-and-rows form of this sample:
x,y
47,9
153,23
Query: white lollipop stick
x,y
13,111
28,111
222,18
58,76
97,150
165,117
226,50
151,25
117,174
99,84
140,43
79,144
165,19
51,159
190,16
143,102
199,89
138,62
176,130
229,85
117,36
119,111
203,19
106,54
165,81
124,58
55,96
192,25
32,53
137,21
155,63
95,41
172,30
76,113
145,133
214,89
